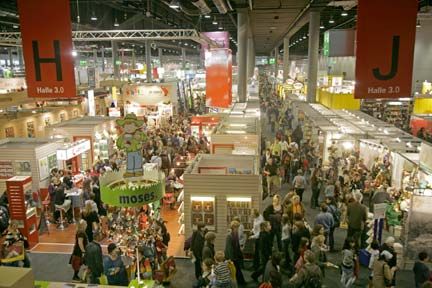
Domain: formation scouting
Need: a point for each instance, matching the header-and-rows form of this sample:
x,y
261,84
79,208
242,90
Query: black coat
x,y
93,258
265,245
197,244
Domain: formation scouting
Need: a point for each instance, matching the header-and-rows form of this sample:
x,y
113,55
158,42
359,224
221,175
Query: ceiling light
x,y
15,26
331,21
93,17
207,16
116,24
74,53
344,13
220,27
322,26
418,25
304,37
272,27
174,4
214,21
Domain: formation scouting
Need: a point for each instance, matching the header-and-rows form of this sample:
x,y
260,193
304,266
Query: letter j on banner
x,y
385,48
47,44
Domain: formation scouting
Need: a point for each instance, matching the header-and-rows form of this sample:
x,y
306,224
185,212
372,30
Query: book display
x,y
203,210
242,208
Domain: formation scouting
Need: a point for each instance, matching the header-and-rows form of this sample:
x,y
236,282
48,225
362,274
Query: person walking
x,y
92,219
265,249
233,251
273,214
197,245
316,184
309,275
421,271
383,274
357,216
286,237
209,250
392,262
299,183
258,219
81,241
325,218
93,260
348,263
114,268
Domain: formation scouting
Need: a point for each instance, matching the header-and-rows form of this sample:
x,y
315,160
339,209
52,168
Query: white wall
x,y
422,55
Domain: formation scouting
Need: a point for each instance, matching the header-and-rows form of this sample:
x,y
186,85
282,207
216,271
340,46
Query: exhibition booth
x,y
100,131
28,157
236,135
219,187
203,125
155,101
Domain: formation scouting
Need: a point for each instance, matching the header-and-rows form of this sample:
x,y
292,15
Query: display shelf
x,y
394,112
242,208
203,210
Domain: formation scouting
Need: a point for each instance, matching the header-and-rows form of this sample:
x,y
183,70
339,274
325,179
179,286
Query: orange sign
x,y
47,44
218,78
385,48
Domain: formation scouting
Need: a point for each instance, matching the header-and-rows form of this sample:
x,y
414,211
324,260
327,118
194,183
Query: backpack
x,y
313,282
232,269
336,215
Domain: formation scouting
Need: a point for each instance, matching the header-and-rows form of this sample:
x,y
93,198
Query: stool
x,y
63,208
46,205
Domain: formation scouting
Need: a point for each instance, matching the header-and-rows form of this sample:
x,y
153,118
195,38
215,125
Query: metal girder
x,y
13,38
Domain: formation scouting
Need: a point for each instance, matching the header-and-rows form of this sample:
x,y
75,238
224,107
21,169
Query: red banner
x,y
385,48
47,44
219,78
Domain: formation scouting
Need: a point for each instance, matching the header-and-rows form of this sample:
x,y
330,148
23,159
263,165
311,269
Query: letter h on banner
x,y
38,61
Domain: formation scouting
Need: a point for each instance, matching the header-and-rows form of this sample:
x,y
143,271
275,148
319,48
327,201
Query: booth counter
x,y
100,131
217,188
28,157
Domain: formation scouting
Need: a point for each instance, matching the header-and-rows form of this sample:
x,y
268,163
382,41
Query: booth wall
x,y
220,187
19,125
230,139
422,56
338,66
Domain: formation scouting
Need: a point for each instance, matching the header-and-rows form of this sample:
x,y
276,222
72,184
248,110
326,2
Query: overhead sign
x,y
272,61
47,45
385,48
73,150
151,94
218,78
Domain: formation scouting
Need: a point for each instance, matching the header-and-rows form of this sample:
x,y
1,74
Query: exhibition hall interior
x,y
215,143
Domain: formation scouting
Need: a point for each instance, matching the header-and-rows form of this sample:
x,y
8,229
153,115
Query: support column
x,y
286,63
95,58
133,58
183,58
103,58
250,57
276,54
160,56
148,60
314,30
10,58
116,68
20,57
242,30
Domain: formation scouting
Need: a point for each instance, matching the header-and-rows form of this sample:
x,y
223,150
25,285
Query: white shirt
x,y
257,226
286,231
284,145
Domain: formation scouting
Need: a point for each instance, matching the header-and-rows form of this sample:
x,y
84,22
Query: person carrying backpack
x,y
309,276
299,183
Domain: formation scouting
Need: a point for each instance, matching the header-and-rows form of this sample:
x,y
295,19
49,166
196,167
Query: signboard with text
x,y
47,45
385,48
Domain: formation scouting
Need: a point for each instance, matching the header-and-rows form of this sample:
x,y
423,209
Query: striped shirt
x,y
223,274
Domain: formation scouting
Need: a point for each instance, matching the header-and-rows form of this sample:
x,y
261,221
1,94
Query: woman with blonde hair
x,y
81,242
92,219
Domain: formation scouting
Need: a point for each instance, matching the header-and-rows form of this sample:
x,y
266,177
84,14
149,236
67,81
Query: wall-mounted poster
x,y
43,168
22,168
62,117
52,161
75,113
30,129
9,132
6,169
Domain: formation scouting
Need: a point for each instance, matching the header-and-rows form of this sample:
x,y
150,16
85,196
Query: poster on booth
x,y
47,46
218,78
385,48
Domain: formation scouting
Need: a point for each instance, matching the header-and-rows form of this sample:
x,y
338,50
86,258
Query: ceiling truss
x,y
14,38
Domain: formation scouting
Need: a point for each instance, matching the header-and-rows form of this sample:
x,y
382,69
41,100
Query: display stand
x,y
28,157
217,188
19,192
101,131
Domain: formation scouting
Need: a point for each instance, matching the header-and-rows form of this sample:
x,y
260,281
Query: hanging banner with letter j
x,y
385,48
47,44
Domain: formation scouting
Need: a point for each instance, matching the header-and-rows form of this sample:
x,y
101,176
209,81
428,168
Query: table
x,y
76,196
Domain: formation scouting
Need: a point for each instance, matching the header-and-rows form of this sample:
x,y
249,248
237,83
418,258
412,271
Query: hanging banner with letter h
x,y
385,48
47,45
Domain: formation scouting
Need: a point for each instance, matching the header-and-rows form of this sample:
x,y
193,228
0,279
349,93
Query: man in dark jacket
x,y
265,245
233,251
197,246
94,261
357,216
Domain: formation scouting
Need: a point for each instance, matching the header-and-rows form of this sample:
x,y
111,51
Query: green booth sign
x,y
134,195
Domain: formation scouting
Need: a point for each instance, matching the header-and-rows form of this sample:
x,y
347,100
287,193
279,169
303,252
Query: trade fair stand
x,y
219,187
202,125
236,135
100,131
